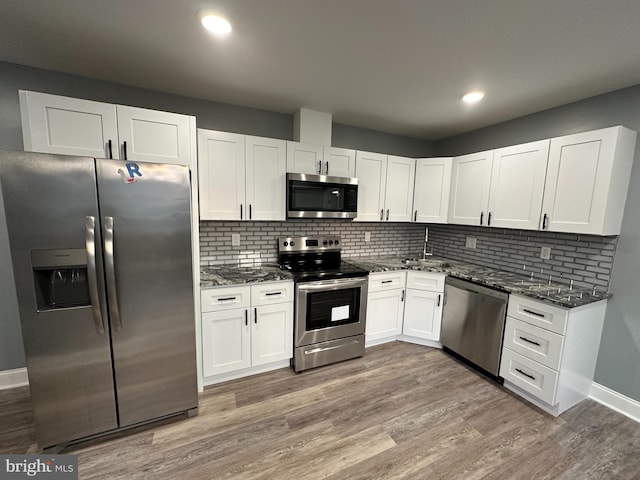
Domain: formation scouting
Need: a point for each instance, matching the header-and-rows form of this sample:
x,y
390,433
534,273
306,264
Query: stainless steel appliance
x,y
330,301
321,196
473,321
101,253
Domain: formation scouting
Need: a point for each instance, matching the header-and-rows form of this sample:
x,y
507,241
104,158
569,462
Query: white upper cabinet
x,y
587,181
266,160
371,171
385,187
432,188
470,184
68,126
153,136
304,158
71,126
241,177
318,160
339,162
517,185
221,175
398,201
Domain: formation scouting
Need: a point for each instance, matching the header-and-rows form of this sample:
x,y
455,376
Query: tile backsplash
x,y
586,260
259,240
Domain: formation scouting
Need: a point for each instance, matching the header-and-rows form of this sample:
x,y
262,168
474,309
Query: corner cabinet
x,y
423,308
432,189
241,177
385,187
246,329
587,181
319,160
549,353
72,126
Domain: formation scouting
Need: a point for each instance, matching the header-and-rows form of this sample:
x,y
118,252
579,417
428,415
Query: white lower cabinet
x,y
423,307
549,353
385,306
244,327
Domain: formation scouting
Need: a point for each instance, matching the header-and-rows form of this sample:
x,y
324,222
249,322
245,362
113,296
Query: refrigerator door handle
x,y
92,276
110,269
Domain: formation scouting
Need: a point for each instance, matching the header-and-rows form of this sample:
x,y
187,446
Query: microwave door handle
x,y
92,276
110,270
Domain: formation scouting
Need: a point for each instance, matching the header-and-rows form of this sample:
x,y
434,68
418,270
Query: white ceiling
x,y
398,66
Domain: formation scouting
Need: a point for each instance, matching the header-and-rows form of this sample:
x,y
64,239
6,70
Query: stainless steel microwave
x,y
321,196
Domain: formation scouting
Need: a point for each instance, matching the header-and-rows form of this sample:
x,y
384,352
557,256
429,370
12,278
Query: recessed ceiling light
x,y
215,23
472,97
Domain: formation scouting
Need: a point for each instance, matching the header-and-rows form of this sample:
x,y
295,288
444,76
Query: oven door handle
x,y
333,284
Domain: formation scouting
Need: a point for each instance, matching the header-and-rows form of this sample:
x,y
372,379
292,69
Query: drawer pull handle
x,y
271,294
529,341
525,374
541,315
386,281
226,299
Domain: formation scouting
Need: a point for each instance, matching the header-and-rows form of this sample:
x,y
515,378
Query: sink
x,y
425,262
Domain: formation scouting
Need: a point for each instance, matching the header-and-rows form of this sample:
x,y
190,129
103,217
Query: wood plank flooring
x,y
402,411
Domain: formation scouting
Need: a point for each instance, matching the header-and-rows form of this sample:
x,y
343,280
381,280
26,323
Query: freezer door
x,y
145,210
49,203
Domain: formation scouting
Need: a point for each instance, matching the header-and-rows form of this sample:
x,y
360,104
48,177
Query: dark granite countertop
x,y
559,294
219,275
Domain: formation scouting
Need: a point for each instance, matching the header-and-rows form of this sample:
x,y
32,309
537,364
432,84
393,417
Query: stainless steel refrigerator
x,y
101,253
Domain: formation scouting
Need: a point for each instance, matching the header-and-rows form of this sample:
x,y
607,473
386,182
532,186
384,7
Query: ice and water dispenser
x,y
60,278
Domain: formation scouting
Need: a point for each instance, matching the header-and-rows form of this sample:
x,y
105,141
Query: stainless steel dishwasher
x,y
473,323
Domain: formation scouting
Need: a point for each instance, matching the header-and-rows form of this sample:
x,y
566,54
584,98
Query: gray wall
x,y
619,356
210,115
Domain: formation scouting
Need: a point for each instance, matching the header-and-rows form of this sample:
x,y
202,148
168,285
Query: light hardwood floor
x,y
402,411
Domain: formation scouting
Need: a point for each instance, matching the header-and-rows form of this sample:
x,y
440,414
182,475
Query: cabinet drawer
x,y
533,342
387,280
225,298
537,313
433,282
530,376
271,292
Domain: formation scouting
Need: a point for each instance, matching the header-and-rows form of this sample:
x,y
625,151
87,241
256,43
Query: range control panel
x,y
310,244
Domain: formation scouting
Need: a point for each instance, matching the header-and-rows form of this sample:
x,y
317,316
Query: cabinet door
x,y
266,160
68,126
578,184
399,189
221,175
339,162
517,185
226,341
304,158
371,171
272,333
432,188
384,314
423,315
470,180
154,136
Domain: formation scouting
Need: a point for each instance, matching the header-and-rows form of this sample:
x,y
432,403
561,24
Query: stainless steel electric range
x,y
330,301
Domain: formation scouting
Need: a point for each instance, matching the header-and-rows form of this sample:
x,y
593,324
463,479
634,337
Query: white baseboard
x,y
13,378
615,401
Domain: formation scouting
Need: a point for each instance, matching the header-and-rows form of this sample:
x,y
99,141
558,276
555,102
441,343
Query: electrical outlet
x,y
471,242
235,239
545,253
367,236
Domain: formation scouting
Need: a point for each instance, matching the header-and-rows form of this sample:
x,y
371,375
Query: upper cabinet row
x,y
71,126
575,183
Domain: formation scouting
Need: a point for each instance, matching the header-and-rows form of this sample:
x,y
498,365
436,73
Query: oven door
x,y
320,196
330,309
